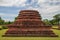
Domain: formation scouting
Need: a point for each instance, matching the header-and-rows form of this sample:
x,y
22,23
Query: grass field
x,y
29,38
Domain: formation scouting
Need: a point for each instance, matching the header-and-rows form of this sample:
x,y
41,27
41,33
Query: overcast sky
x,y
9,9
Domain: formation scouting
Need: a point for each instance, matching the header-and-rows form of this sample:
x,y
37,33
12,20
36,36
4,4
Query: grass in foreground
x,y
29,38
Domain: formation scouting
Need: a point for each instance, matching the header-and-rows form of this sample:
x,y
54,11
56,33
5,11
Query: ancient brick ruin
x,y
29,24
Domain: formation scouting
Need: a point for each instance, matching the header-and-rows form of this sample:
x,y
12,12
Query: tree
x,y
1,21
15,18
0,18
47,22
57,19
9,22
53,22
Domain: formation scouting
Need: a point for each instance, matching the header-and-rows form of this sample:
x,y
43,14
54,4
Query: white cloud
x,y
8,19
8,15
1,14
41,1
46,9
12,2
23,2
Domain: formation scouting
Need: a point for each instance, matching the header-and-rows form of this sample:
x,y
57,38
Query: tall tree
x,y
57,18
1,21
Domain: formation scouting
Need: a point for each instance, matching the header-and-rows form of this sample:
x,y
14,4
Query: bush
x,y
0,28
4,27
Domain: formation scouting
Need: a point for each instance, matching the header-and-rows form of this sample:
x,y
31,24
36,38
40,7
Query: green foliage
x,y
1,21
57,18
47,22
6,23
4,27
53,22
15,18
0,28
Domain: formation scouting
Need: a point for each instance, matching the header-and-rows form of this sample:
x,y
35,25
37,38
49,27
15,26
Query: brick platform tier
x,y
29,24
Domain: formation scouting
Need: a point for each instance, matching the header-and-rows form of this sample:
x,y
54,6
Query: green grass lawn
x,y
29,38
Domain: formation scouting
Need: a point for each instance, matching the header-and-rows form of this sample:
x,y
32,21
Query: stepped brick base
x,y
19,33
29,24
31,34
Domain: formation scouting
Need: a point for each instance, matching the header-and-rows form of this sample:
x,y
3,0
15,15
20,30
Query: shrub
x,y
4,27
0,28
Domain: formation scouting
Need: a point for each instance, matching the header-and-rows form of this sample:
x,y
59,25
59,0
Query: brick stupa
x,y
29,24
